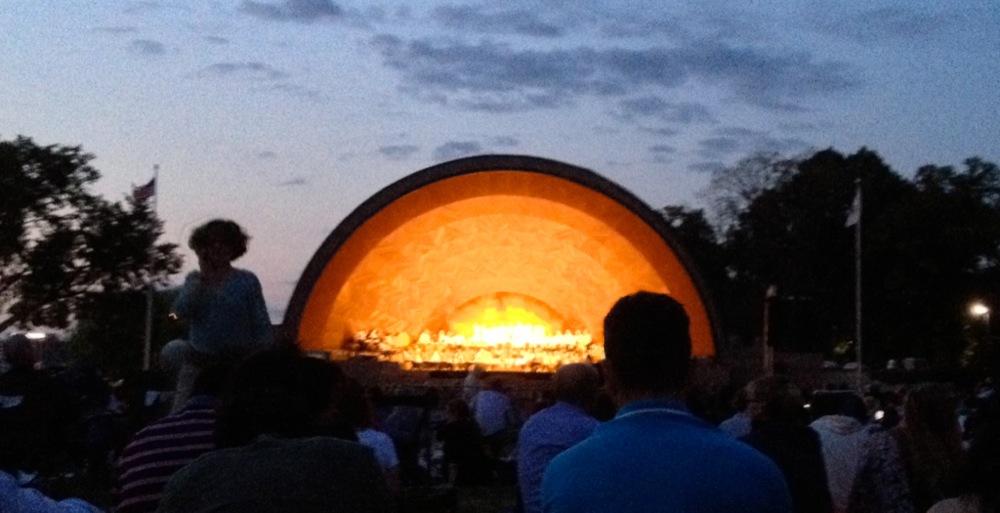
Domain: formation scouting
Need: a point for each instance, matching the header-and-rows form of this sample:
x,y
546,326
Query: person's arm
x,y
190,298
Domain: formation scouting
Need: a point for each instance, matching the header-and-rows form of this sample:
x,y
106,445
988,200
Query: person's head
x,y
219,239
647,345
930,434
929,410
577,383
775,398
279,392
844,403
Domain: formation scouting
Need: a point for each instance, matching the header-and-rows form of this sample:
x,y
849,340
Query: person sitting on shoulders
x,y
224,306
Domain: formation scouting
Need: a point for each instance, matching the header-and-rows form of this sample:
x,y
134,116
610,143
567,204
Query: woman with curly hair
x,y
223,305
915,464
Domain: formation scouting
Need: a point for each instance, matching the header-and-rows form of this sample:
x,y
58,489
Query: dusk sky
x,y
287,115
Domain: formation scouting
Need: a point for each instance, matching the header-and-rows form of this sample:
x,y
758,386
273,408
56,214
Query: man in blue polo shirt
x,y
654,456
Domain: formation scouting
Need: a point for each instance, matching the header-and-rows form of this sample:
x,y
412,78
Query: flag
x,y
143,193
854,214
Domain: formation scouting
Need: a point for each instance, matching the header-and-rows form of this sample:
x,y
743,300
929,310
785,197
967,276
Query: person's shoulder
x,y
244,275
374,435
332,445
963,504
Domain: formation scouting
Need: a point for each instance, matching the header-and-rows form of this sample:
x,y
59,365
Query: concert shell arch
x,y
467,240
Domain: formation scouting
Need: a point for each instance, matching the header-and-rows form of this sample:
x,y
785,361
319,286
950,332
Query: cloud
x,y
294,182
298,91
256,70
661,153
658,109
302,11
718,146
455,149
148,47
517,21
505,141
216,40
488,76
706,167
398,152
496,77
728,141
623,27
119,30
266,155
660,131
887,23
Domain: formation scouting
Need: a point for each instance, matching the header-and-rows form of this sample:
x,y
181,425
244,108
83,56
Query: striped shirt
x,y
159,450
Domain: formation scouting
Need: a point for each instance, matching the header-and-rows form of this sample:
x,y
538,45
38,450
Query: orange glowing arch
x,y
543,239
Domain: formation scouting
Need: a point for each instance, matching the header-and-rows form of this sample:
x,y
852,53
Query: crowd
x,y
253,426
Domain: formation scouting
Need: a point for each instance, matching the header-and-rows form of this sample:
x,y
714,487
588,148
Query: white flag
x,y
854,214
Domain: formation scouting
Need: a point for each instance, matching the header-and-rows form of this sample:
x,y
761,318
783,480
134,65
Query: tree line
x,y
930,246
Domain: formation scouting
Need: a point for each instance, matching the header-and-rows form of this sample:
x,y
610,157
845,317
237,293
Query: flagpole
x,y
147,351
857,283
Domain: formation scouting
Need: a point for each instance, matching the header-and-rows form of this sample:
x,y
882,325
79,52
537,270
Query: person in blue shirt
x,y
223,305
555,429
655,456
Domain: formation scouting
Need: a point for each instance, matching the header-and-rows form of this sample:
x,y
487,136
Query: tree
x,y
61,245
793,236
929,246
110,329
931,256
731,190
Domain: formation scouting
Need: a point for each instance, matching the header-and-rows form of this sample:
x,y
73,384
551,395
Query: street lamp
x,y
982,311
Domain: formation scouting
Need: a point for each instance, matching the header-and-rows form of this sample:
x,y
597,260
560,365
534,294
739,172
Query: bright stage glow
x,y
511,324
498,347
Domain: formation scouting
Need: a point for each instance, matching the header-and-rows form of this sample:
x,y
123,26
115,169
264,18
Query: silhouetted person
x,y
270,457
912,466
978,488
358,411
35,412
655,455
159,450
464,447
27,427
223,305
738,425
497,417
842,434
780,432
555,429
